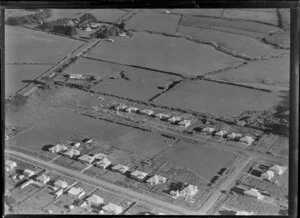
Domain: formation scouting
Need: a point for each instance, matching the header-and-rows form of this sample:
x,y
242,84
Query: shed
x,y
254,193
59,193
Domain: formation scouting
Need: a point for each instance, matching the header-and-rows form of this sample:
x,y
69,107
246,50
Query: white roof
x,y
28,171
208,129
269,174
278,169
247,139
156,179
86,158
221,132
189,190
75,191
43,178
242,212
113,208
120,167
61,183
185,122
100,156
104,161
139,174
10,163
253,192
95,199
234,134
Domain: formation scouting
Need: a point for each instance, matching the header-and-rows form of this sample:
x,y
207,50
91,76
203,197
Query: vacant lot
x,y
165,54
18,76
206,162
269,72
216,98
29,46
236,44
248,28
153,21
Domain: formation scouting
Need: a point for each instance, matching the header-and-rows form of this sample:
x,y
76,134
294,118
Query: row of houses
x,y
178,120
230,136
275,169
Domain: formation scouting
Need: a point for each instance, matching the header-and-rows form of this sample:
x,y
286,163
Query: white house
x,y
76,145
72,153
99,156
132,109
243,213
222,133
174,119
138,175
254,193
120,168
268,175
95,200
28,173
10,165
59,193
61,184
86,159
43,179
147,112
185,123
76,192
121,107
208,130
104,163
163,116
112,208
234,136
278,169
30,181
58,148
189,191
156,180
75,76
247,140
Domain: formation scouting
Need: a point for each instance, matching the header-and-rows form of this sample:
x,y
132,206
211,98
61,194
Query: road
x,y
118,189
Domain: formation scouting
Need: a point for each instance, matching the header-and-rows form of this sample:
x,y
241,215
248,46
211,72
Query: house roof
x,y
253,192
190,189
86,158
185,122
234,134
61,183
278,169
75,191
138,173
104,161
100,156
269,174
43,178
247,139
120,167
208,129
156,178
221,132
95,199
28,171
10,163
113,207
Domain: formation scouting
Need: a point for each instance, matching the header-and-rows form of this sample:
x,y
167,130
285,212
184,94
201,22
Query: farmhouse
x,y
254,193
132,109
61,184
163,116
86,159
185,123
147,112
208,130
58,148
72,153
175,119
120,168
28,173
278,169
112,208
10,165
247,140
95,200
138,175
221,133
268,175
43,179
234,136
156,180
104,163
99,156
76,192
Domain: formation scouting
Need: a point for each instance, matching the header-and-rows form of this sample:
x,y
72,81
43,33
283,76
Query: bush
x,y
87,16
65,30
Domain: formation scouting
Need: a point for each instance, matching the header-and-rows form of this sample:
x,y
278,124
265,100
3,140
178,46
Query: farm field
x,y
268,72
240,27
17,75
23,45
237,44
165,54
218,99
280,39
206,162
150,20
17,13
198,12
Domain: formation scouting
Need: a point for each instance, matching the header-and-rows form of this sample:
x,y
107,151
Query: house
x,y
120,168
58,148
110,40
174,119
278,169
122,34
59,193
247,140
28,173
189,191
61,184
268,175
30,181
95,200
104,163
112,208
222,133
100,156
208,130
88,29
81,194
132,109
163,116
147,112
234,136
72,153
83,204
71,207
138,175
76,192
121,107
75,76
76,145
185,123
156,180
86,159
43,179
10,165
165,12
254,193
243,213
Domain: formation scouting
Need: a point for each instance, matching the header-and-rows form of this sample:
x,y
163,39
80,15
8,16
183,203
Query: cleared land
x,y
23,45
17,75
152,21
165,54
269,72
241,27
236,44
218,99
280,39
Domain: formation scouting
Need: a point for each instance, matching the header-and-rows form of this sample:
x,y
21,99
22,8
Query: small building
x,y
147,112
243,213
76,145
81,194
120,168
43,179
25,184
268,175
185,123
208,130
189,191
100,156
83,204
104,163
278,169
122,34
254,193
234,136
121,107
132,109
110,40
163,116
61,184
87,159
222,133
88,29
75,76
58,148
95,200
174,119
71,207
139,175
10,165
28,173
76,192
59,193
112,208
156,180
247,140
72,153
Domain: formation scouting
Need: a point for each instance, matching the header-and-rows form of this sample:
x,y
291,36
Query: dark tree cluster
x,y
65,30
30,19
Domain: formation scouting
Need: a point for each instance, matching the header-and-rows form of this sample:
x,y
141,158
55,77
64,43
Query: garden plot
x,y
18,76
266,72
203,161
150,20
280,39
263,16
235,44
23,45
247,28
165,54
217,99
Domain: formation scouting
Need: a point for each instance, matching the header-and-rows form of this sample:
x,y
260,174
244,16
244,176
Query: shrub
x,y
65,30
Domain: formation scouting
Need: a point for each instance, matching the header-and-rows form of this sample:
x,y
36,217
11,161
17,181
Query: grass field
x,y
165,54
218,99
199,12
17,75
281,39
153,21
23,45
